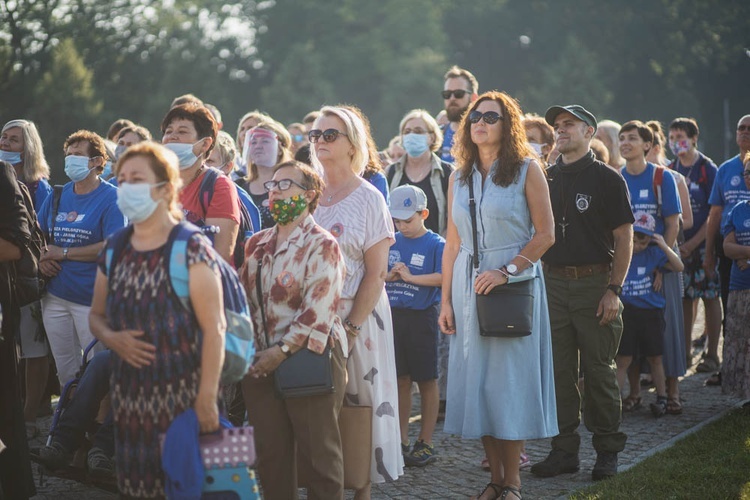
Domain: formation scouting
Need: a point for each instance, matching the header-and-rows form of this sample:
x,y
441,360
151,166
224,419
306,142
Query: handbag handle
x,y
259,291
473,212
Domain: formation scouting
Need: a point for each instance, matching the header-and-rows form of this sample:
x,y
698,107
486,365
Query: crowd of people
x,y
375,259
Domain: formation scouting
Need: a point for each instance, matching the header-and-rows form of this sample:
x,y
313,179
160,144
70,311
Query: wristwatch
x,y
616,289
512,269
65,253
284,348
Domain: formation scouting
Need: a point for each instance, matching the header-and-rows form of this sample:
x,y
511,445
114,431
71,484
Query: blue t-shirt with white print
x,y
729,187
423,255
738,220
638,289
82,220
643,197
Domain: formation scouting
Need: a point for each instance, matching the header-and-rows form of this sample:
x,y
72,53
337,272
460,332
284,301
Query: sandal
x,y
496,488
707,365
507,490
674,407
714,380
631,403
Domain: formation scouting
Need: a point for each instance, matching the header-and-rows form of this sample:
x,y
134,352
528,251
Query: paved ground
x,y
457,473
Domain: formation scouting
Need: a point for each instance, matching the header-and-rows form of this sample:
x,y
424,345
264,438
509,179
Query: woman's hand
x,y
49,268
267,361
134,352
488,280
446,320
742,264
207,412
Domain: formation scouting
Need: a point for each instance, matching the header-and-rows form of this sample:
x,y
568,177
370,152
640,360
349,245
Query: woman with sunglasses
x,y
302,273
355,213
500,389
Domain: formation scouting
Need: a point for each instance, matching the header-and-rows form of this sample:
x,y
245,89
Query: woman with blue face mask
x,y
420,166
165,359
87,214
189,131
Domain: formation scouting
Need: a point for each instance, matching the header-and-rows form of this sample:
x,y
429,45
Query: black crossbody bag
x,y
508,310
304,373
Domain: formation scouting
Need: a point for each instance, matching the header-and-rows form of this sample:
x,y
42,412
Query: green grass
x,y
711,463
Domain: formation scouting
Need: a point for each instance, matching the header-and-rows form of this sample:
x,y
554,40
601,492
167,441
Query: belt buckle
x,y
571,272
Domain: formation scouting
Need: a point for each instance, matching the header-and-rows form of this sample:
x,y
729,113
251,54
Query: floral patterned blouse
x,y
301,282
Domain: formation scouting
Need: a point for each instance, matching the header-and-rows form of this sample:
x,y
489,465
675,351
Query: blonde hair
x,y
355,132
432,126
164,164
35,165
258,116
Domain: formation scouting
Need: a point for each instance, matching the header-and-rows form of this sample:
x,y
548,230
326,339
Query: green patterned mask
x,y
287,210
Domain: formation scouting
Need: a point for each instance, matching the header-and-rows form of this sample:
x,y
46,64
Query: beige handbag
x,y
355,426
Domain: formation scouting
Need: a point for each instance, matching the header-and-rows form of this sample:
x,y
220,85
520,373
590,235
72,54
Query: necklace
x,y
330,196
197,174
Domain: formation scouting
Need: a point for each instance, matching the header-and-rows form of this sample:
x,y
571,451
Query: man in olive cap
x,y
584,271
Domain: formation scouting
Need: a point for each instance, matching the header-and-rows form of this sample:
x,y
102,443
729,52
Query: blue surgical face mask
x,y
77,167
10,156
135,202
415,144
107,172
184,153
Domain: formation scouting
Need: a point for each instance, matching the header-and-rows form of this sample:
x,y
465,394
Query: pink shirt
x,y
301,282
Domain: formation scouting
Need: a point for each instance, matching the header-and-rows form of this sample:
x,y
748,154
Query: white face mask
x,y
135,202
536,147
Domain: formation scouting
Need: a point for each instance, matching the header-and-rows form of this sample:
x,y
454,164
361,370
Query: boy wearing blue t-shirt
x,y
643,313
413,287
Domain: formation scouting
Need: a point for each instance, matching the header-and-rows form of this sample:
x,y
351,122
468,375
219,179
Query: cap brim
x,y
552,113
642,230
402,214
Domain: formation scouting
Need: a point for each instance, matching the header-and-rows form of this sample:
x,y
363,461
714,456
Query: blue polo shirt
x,y
82,220
638,289
738,221
729,187
643,197
423,255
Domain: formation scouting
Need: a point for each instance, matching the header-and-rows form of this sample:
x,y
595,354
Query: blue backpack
x,y
240,338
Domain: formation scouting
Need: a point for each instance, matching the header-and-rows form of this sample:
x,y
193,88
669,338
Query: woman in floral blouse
x,y
302,273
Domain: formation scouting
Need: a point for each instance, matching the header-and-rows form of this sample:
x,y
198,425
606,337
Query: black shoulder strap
x,y
473,211
390,173
447,171
56,195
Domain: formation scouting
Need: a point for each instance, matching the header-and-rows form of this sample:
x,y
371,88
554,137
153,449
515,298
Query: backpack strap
x,y
206,190
116,243
658,179
179,274
447,170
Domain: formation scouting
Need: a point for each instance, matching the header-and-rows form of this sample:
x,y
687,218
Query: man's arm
x,y
609,304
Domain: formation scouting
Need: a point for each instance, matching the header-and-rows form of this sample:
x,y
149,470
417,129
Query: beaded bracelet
x,y
352,326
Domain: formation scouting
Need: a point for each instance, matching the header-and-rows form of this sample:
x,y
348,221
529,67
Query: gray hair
x,y
35,165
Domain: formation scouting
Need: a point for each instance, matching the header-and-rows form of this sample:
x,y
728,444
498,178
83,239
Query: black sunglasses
x,y
282,184
742,128
458,94
489,117
328,135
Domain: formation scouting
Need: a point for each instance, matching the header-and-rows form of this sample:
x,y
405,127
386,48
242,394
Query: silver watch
x,y
512,269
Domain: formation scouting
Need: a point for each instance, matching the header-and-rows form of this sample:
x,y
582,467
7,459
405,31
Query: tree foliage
x,y
83,63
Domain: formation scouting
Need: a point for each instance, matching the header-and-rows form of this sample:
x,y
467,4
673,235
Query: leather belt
x,y
576,272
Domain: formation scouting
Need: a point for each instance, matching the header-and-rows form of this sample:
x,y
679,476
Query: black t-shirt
x,y
589,200
433,220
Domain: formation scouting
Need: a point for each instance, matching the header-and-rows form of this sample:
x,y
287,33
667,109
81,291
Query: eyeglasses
x,y
328,135
746,173
742,128
458,94
490,117
282,184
